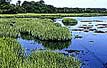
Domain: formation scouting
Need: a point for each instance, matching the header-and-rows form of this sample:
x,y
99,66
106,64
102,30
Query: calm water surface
x,y
90,48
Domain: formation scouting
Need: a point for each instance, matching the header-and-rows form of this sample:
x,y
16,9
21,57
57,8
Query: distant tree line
x,y
41,7
81,10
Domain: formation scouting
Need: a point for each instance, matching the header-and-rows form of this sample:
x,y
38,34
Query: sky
x,y
74,3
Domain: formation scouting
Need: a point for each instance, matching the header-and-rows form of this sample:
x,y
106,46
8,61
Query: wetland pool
x,y
90,47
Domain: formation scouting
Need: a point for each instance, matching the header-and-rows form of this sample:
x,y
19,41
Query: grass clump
x,y
48,59
69,21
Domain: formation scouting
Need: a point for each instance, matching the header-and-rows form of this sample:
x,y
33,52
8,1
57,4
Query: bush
x,y
69,21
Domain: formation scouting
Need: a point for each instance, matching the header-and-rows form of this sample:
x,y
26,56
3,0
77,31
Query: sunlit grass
x,y
11,56
48,59
56,15
43,29
10,51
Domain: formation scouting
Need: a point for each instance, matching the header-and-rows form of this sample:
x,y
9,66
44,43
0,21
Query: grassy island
x,y
69,21
43,29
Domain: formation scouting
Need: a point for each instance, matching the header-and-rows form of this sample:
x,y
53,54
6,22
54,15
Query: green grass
x,y
69,21
42,29
11,57
51,16
10,51
48,59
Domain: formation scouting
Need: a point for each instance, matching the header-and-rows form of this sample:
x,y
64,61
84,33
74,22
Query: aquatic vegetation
x,y
73,51
78,36
43,29
99,31
12,56
91,21
10,51
69,21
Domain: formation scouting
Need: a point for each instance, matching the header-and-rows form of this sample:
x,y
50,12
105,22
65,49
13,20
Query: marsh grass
x,y
12,56
69,21
10,51
49,59
42,29
51,16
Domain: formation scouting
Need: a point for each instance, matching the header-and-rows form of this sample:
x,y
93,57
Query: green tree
x,y
19,3
41,1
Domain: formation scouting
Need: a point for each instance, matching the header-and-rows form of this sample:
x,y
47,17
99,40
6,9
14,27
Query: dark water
x,y
89,47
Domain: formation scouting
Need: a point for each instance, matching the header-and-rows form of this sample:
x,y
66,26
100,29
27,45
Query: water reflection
x,y
27,37
55,45
30,44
